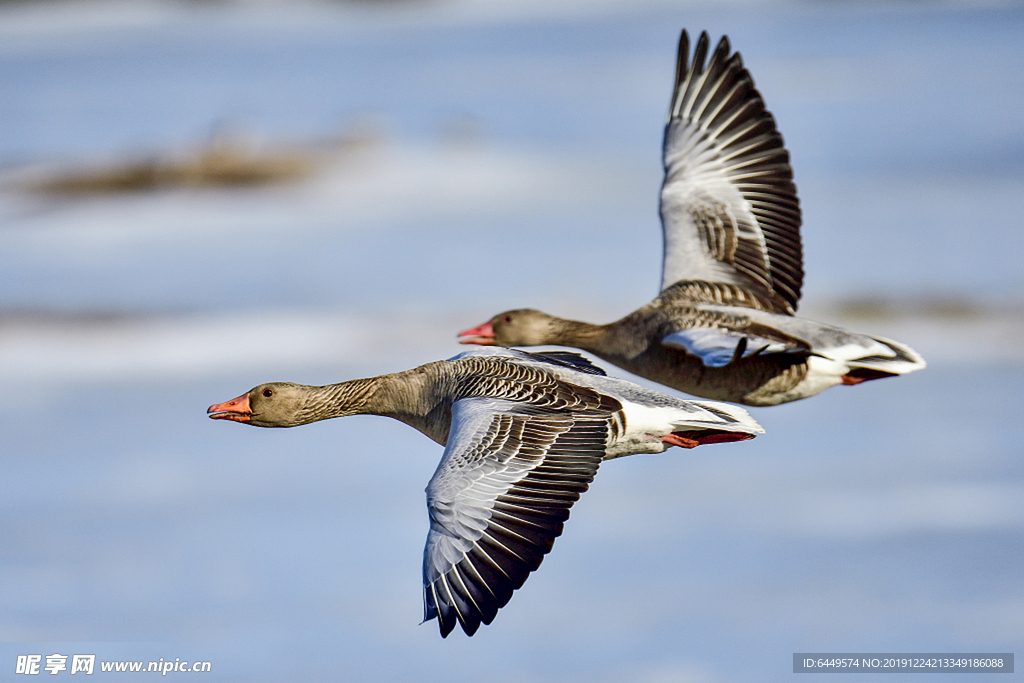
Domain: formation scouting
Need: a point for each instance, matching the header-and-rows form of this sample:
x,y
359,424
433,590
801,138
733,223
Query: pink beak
x,y
236,410
482,335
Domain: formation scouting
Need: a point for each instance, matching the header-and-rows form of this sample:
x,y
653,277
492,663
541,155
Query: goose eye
x,y
508,318
267,393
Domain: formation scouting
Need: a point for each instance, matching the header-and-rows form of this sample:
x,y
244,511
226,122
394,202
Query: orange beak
x,y
482,335
236,410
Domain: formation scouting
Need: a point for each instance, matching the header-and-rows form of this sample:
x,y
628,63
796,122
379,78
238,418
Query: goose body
x,y
723,326
524,435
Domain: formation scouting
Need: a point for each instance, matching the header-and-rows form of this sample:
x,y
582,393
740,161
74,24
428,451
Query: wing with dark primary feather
x,y
498,500
729,208
568,359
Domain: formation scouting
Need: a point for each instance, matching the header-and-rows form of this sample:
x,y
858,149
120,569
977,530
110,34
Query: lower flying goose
x,y
523,434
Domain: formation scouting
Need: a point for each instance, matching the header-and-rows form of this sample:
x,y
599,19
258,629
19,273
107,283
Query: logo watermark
x,y
33,665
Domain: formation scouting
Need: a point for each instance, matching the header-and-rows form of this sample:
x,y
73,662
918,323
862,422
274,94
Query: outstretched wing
x,y
498,500
729,208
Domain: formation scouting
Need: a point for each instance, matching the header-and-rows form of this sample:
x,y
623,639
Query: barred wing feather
x,y
729,208
498,500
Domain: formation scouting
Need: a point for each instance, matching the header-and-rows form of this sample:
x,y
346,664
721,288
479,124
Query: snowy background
x,y
462,158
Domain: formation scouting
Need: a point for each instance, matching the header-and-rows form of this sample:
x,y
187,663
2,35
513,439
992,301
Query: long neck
x,y
408,396
354,397
580,335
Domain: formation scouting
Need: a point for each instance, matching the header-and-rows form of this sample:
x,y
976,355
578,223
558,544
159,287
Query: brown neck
x,y
408,396
354,397
597,339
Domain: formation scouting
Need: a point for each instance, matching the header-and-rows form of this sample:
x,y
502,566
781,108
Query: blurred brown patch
x,y
225,161
215,167
948,307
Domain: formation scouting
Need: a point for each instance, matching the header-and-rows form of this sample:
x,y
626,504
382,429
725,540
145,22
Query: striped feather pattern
x,y
497,502
729,207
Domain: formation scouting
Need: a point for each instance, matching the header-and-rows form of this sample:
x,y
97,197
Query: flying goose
x,y
524,435
723,326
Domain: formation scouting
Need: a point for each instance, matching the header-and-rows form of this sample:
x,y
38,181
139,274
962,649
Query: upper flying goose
x,y
524,435
723,326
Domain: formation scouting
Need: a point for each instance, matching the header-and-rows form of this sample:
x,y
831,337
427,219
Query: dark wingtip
x,y
723,47
682,57
445,625
471,627
700,53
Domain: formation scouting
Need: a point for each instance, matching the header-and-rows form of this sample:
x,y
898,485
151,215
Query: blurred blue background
x,y
195,198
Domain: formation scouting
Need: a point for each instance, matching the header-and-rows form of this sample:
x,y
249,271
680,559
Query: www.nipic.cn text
x,y
85,664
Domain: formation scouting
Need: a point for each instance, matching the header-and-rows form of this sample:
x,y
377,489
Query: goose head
x,y
522,327
275,404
